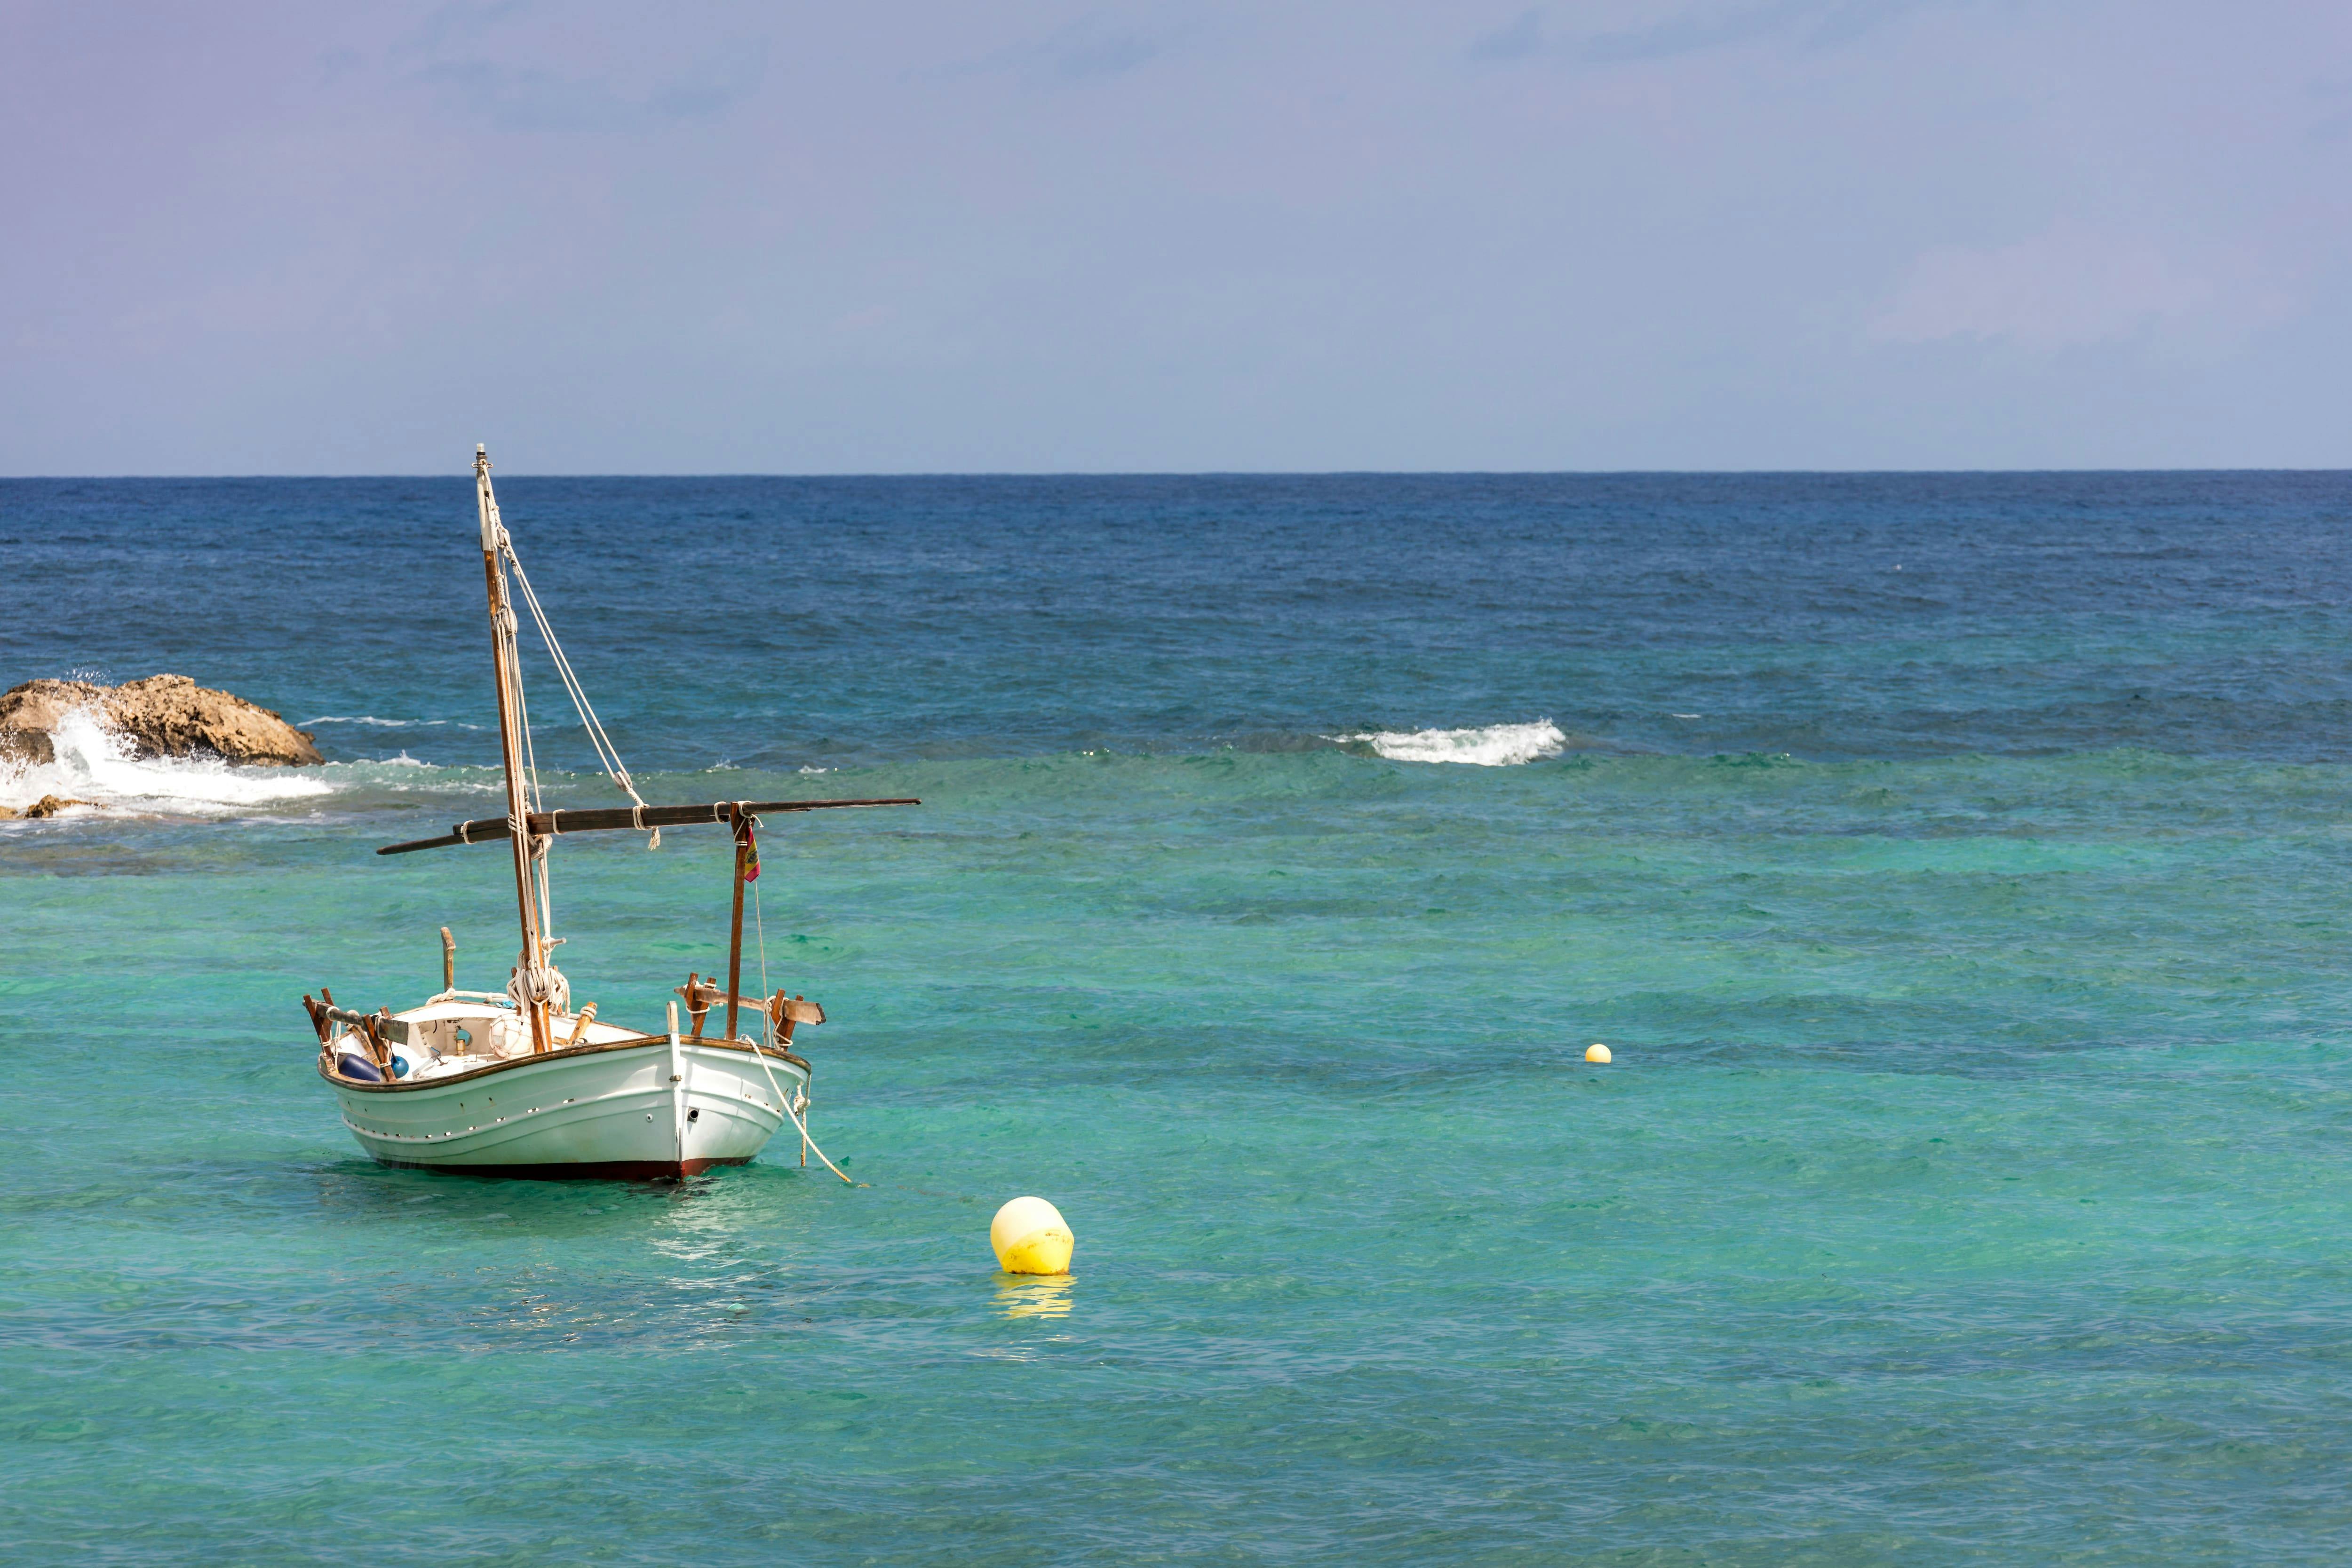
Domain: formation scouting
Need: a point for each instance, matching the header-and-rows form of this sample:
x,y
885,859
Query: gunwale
x,y
632,1042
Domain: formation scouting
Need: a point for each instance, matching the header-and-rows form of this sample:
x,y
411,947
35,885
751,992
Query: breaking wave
x,y
1495,745
94,764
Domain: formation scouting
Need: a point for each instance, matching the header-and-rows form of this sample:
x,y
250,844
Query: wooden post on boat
x,y
448,960
380,1032
779,1033
735,939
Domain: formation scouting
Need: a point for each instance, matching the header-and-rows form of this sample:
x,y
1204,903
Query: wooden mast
x,y
507,663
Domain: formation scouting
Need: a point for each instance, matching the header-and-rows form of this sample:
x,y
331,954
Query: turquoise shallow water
x,y
1968,1188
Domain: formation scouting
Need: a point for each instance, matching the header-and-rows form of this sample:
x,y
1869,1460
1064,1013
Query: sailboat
x,y
524,1084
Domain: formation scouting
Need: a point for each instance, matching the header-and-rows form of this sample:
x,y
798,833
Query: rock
x,y
47,806
163,715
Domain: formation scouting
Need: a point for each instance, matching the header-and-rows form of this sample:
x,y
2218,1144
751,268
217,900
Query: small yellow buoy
x,y
1031,1238
1597,1053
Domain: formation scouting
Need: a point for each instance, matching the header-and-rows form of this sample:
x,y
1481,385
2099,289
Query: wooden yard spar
x,y
537,985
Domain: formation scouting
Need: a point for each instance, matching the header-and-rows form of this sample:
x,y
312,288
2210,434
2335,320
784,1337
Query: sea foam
x,y
94,764
1495,745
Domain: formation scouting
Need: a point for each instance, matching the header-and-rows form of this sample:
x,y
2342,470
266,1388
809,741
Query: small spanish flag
x,y
751,850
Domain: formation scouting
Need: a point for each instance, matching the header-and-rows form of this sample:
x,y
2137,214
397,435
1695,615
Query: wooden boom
x,y
495,830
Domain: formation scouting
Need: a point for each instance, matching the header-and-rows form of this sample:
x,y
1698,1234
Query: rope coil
x,y
540,983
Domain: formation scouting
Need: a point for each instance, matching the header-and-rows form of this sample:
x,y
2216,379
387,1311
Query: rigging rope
x,y
760,930
608,755
536,801
534,980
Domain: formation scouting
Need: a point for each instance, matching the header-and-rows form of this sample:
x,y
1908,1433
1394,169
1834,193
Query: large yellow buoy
x,y
1596,1052
1031,1238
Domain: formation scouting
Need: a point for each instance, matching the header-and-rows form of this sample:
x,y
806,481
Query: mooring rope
x,y
804,1132
759,931
760,935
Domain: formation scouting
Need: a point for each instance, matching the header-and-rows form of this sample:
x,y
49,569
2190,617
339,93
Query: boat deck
x,y
457,1036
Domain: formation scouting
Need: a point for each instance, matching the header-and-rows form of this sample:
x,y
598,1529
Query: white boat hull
x,y
639,1110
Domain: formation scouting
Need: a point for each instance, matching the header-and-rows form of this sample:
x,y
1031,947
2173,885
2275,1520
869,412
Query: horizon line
x,y
465,473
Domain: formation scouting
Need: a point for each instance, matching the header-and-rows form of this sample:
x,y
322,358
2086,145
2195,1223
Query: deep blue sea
x,y
1956,865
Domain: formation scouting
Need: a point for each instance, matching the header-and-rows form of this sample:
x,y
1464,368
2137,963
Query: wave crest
x,y
1495,745
94,763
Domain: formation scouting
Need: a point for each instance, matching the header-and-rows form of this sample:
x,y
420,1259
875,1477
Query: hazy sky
x,y
889,236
